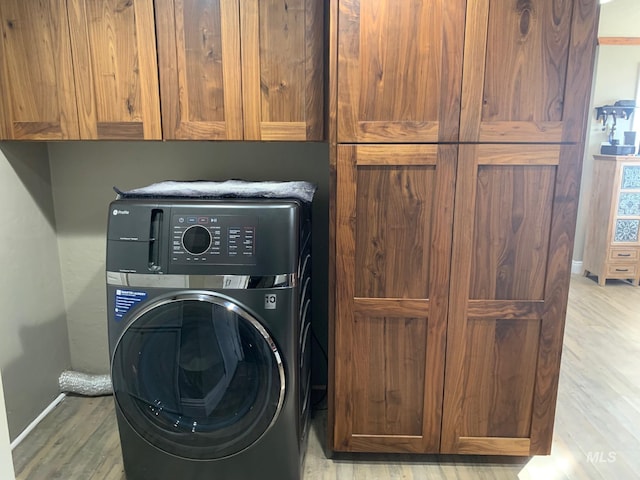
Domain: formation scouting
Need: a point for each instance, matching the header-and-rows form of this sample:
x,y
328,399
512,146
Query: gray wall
x,y
6,462
83,175
616,78
33,331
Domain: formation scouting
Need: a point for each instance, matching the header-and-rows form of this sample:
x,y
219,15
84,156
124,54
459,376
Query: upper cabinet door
x,y
282,74
527,70
399,70
37,97
199,60
113,44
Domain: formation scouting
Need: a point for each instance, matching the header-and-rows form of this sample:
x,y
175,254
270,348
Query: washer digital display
x,y
196,240
213,239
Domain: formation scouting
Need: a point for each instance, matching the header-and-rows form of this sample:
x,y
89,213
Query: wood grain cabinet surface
x,y
523,61
79,69
612,244
37,92
453,245
394,219
510,268
224,69
116,72
232,69
399,70
402,77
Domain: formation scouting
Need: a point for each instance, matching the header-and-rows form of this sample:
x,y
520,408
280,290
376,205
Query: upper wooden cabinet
x,y
228,69
87,71
37,96
399,70
116,73
401,77
525,78
282,69
200,77
232,69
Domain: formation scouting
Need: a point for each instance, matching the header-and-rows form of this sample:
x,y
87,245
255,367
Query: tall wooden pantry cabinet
x,y
457,131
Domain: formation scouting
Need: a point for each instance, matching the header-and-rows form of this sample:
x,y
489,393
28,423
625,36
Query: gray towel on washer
x,y
229,189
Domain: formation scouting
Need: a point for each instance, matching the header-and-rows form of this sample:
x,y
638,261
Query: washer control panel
x,y
213,239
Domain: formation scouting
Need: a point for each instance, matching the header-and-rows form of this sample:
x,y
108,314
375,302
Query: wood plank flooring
x,y
597,432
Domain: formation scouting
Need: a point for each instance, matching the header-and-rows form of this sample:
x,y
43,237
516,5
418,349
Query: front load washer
x,y
209,336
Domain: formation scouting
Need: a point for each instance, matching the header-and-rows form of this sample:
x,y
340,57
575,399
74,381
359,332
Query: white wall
x,y
616,78
6,462
620,18
83,175
33,331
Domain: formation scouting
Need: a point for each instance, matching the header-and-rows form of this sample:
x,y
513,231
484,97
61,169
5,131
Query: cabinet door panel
x,y
282,73
515,212
399,70
394,216
38,97
199,60
116,70
525,77
513,218
392,260
500,363
390,396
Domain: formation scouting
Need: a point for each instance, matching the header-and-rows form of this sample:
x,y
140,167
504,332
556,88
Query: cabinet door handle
x,y
622,269
624,254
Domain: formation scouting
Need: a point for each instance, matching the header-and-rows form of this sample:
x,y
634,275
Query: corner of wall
x,y
34,345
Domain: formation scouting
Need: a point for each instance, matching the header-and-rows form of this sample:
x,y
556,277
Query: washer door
x,y
198,376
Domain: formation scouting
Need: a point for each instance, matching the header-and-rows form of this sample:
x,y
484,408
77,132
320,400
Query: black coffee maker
x,y
622,109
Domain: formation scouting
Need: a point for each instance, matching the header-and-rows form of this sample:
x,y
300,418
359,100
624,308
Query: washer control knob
x,y
196,240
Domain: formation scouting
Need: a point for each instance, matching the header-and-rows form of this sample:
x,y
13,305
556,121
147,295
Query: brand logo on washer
x,y
120,212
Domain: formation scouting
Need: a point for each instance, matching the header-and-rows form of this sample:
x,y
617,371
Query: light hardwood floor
x,y
597,432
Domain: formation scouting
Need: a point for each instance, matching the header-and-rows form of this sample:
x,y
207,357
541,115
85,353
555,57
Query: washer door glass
x,y
197,376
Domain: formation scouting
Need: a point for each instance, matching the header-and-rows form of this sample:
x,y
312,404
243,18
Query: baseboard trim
x,y
576,267
37,420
